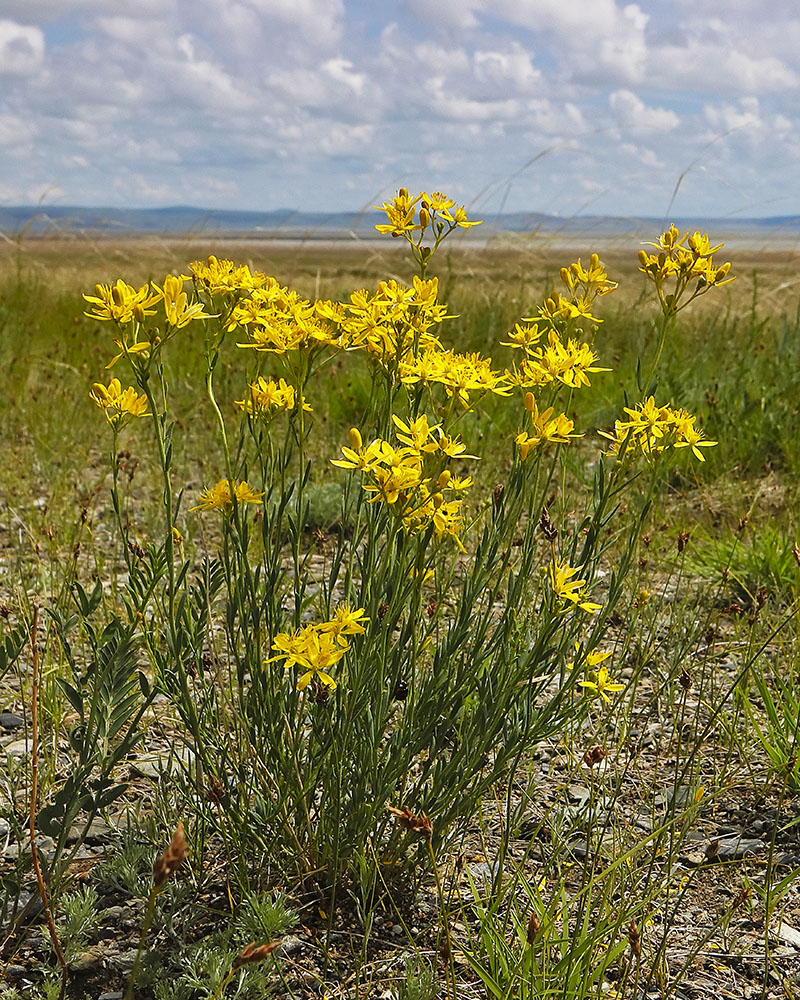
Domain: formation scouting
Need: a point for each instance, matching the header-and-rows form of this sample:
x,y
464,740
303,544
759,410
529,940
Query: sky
x,y
568,107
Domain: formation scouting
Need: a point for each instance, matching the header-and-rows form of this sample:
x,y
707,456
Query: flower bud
x,y
530,402
424,217
443,480
355,438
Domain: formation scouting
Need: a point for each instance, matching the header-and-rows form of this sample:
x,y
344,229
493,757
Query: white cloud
x,y
448,105
721,68
512,69
596,39
341,71
314,20
138,31
447,14
21,49
15,132
342,140
730,117
319,102
633,113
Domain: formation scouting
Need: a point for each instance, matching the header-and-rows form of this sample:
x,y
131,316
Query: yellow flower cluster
x,y
404,478
424,211
316,648
267,397
278,320
119,404
563,358
546,428
223,277
463,376
221,496
682,268
394,324
122,303
653,428
570,363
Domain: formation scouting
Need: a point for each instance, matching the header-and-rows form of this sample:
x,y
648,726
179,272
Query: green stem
x,y
148,919
165,460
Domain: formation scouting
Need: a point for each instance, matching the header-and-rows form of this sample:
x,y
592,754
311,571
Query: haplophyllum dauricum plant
x,y
415,668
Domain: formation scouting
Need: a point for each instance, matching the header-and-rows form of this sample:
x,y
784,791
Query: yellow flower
x,y
591,280
344,622
523,337
592,658
547,429
179,312
688,436
436,211
600,682
220,497
122,302
564,587
358,457
400,214
389,484
119,403
311,649
417,434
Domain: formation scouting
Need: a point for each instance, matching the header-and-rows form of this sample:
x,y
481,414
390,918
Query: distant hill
x,y
287,224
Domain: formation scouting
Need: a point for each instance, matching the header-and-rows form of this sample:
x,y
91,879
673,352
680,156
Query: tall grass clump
x,y
351,697
422,652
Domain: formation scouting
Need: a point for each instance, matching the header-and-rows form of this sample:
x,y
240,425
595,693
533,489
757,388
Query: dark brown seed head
x,y
634,939
171,860
416,822
533,927
400,692
594,756
254,953
549,530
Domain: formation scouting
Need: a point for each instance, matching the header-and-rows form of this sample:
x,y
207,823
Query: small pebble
x,y
89,959
124,959
290,944
11,722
